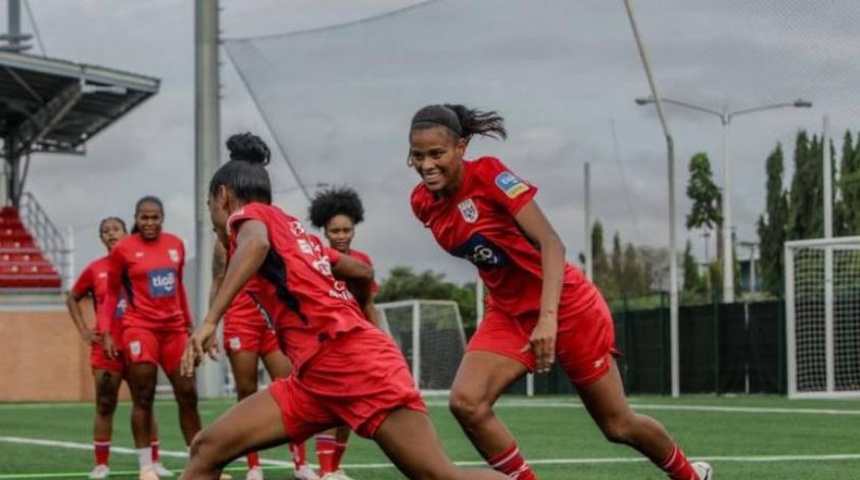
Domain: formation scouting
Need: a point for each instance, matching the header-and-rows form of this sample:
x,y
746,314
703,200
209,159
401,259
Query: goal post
x,y
822,300
430,334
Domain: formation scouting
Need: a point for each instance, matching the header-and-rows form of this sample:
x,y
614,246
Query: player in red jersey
x,y
347,371
147,267
107,373
539,307
248,338
336,212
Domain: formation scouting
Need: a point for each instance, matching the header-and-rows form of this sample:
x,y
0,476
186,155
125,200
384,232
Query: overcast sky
x,y
563,73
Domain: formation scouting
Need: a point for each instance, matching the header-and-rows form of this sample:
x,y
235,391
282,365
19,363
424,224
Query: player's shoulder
x,y
124,244
171,239
420,199
100,263
359,255
487,169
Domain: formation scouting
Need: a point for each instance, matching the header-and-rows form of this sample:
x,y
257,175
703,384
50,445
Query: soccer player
x,y
336,212
247,339
539,307
107,373
146,267
347,371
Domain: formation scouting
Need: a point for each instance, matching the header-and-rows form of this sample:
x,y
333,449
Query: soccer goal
x,y
430,334
822,299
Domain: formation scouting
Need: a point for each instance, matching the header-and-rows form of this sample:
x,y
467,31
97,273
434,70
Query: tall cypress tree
x,y
772,226
805,206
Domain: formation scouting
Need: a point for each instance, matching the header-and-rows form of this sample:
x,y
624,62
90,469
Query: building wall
x,y
42,356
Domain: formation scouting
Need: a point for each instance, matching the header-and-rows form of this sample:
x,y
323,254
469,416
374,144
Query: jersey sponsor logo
x,y
340,291
481,252
162,282
173,254
102,274
323,266
468,210
510,184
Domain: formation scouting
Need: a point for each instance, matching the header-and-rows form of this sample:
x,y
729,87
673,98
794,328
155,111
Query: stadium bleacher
x,y
22,264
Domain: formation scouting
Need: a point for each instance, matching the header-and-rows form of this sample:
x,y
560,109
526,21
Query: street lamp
x,y
726,117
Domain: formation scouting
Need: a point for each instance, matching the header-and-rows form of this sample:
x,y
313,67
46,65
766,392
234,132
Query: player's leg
x,y
107,383
279,366
251,425
142,378
408,438
606,403
585,345
184,388
154,446
243,364
494,360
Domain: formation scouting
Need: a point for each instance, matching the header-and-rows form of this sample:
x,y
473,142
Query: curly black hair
x,y
335,201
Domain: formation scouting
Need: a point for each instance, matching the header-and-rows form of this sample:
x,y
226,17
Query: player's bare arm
x,y
359,278
537,228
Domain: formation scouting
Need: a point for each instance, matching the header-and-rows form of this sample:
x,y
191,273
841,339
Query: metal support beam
x,y
42,121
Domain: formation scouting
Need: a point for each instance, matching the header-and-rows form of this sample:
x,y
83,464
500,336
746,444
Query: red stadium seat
x,y
22,263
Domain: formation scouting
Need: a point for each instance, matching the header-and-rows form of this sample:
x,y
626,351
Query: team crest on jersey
x,y
135,348
468,210
511,185
235,343
173,254
306,247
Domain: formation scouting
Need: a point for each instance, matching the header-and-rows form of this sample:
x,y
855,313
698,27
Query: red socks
x,y
102,451
326,447
297,451
511,463
677,466
253,460
153,445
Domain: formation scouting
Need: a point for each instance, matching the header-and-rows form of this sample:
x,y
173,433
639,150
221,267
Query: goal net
x,y
822,295
430,334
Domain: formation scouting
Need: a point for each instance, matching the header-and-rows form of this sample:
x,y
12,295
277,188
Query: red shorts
x,y
246,337
158,347
356,379
100,361
584,343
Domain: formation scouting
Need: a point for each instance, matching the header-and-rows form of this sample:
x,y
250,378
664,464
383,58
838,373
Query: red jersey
x,y
92,282
363,257
295,286
244,310
477,223
150,274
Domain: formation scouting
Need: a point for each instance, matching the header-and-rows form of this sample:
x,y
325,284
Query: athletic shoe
x,y
703,470
306,473
337,475
161,470
100,472
255,473
148,473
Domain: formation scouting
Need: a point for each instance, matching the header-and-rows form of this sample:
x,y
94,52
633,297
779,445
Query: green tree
x,y
621,287
805,218
602,270
846,214
772,226
403,283
693,282
632,278
705,199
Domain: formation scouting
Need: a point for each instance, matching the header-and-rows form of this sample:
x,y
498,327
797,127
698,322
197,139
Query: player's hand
x,y
542,342
90,336
109,347
211,348
195,350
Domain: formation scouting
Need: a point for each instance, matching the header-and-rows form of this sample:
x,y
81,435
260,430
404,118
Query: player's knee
x,y
187,398
468,408
144,397
105,405
245,389
200,445
618,429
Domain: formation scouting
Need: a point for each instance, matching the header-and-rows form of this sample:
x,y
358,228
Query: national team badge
x,y
135,348
511,185
235,343
173,254
468,210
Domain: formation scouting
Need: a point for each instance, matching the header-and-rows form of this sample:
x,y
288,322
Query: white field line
x,y
546,461
538,403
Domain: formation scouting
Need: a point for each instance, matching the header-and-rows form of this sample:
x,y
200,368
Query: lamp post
x,y
726,117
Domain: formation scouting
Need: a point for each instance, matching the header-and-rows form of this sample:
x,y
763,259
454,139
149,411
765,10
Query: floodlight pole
x,y
207,125
673,239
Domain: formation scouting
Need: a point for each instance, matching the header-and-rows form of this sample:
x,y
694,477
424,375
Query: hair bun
x,y
247,147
